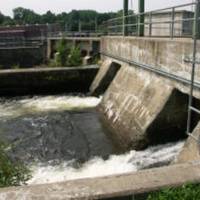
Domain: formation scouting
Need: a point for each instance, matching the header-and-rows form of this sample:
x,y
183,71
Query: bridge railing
x,y
176,21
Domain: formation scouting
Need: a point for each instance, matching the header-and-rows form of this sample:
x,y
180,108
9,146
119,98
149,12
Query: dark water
x,y
61,138
55,135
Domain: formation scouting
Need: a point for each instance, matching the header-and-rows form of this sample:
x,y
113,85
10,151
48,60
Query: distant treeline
x,y
72,21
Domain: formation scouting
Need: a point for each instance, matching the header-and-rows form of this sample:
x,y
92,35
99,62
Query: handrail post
x,y
141,17
172,23
96,25
150,24
196,30
195,37
125,19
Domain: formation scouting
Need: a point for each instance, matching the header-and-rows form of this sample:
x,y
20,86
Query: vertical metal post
x,y
79,26
125,19
195,36
141,17
150,24
197,13
96,25
172,23
66,27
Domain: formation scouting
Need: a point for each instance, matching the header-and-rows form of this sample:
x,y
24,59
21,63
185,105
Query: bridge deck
x,y
112,186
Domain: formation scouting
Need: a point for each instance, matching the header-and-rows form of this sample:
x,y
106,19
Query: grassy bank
x,y
186,192
12,173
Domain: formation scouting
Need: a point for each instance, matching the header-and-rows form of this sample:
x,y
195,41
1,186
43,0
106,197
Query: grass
x,y
11,173
186,192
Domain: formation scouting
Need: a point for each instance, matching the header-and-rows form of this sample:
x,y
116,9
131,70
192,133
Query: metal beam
x,y
125,19
141,9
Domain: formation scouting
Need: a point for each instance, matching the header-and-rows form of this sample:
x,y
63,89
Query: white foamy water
x,y
116,164
37,104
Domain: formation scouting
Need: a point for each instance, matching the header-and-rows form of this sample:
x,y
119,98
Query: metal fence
x,y
171,22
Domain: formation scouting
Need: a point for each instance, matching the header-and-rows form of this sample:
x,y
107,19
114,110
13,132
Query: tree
x,y
62,53
74,58
25,16
48,17
5,20
68,21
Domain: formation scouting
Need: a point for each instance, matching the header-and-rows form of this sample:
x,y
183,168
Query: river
x,y
61,138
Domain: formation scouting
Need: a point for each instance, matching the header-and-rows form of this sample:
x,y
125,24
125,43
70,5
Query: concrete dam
x,y
118,131
139,123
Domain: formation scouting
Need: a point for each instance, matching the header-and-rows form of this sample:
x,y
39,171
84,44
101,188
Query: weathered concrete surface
x,y
105,76
191,149
22,56
163,53
46,80
142,108
106,187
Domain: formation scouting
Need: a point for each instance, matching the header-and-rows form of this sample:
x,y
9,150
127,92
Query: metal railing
x,y
191,106
75,34
176,21
168,24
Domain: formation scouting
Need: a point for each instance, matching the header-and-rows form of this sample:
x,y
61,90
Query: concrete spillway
x,y
141,106
61,138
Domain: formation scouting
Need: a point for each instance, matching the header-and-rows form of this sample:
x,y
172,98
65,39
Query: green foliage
x,y
187,192
67,56
25,16
68,21
5,20
11,173
62,53
74,59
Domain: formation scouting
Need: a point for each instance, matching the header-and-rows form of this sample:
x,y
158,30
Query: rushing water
x,y
116,164
61,138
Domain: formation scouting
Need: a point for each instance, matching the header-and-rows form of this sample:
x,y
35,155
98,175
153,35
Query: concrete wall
x,y
22,56
141,107
46,80
164,54
191,149
105,76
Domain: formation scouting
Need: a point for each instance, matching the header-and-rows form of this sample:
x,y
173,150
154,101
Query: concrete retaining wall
x,y
141,107
191,149
22,56
46,80
162,53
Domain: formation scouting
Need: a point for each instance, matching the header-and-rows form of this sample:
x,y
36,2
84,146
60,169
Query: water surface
x,y
62,138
